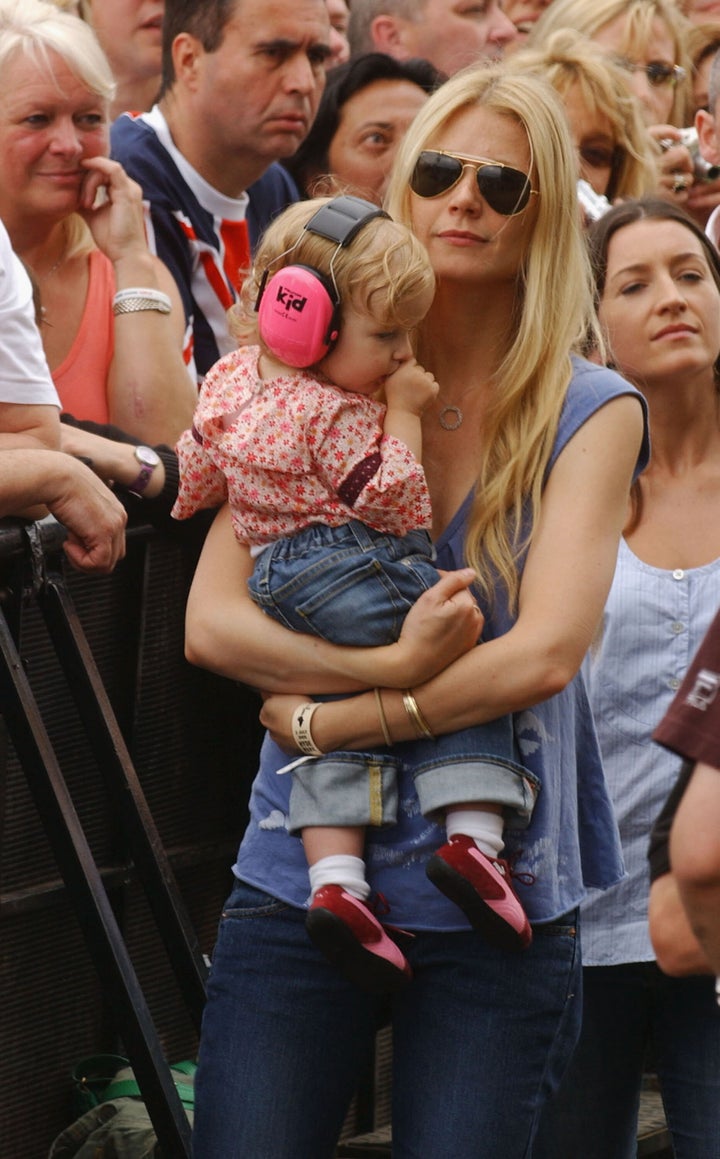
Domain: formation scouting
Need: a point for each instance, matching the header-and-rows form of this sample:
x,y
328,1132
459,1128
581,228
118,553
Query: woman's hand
x,y
115,217
276,716
675,165
703,200
444,624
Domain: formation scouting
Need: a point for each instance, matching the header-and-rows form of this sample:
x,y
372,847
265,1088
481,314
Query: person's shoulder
x,y
143,156
267,197
130,129
591,387
276,182
602,382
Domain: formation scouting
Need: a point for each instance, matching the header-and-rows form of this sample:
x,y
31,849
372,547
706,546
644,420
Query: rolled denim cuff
x,y
457,780
344,789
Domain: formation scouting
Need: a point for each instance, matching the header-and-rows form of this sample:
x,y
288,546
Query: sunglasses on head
x,y
656,71
506,190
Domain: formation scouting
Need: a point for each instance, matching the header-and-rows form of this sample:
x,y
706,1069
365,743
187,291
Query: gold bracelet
x,y
412,708
383,718
302,735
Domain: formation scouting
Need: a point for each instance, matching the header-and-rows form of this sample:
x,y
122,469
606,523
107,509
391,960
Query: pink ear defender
x,y
299,306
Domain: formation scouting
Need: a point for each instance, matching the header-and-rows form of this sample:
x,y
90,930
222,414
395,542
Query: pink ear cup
x,y
296,316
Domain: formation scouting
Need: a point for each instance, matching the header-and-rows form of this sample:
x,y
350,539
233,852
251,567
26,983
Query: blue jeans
x,y
348,584
352,585
627,1009
480,1038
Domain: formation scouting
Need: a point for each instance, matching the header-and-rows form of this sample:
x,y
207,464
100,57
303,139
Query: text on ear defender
x,y
291,300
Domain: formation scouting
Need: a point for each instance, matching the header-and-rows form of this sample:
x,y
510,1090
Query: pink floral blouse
x,y
294,450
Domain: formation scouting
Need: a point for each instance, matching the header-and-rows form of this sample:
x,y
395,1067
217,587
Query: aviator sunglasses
x,y
506,190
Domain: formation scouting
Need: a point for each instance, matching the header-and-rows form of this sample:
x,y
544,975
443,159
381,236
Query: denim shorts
x,y
349,585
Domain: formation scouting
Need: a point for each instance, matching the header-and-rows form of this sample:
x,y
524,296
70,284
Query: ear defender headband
x,y
299,306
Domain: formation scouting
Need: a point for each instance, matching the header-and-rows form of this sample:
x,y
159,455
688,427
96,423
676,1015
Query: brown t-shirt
x,y
691,725
690,728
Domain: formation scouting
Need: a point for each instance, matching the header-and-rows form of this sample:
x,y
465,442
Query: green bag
x,y
116,1124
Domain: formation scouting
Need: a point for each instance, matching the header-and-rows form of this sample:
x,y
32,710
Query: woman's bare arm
x,y
150,391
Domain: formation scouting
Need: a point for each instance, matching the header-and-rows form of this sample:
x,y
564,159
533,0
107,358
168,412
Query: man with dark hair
x,y
241,82
449,33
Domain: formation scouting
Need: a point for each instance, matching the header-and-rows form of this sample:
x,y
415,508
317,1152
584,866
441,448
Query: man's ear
x,y
388,36
187,52
707,136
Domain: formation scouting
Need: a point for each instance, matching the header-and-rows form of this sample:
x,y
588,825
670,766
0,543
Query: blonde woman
x,y
615,155
112,321
649,39
528,454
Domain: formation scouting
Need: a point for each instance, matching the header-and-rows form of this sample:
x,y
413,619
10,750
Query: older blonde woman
x,y
615,154
112,322
528,454
649,39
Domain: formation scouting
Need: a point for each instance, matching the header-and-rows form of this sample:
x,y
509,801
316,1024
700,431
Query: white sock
x,y
485,827
340,869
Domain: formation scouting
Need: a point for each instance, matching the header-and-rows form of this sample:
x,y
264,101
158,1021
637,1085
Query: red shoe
x,y
351,937
481,887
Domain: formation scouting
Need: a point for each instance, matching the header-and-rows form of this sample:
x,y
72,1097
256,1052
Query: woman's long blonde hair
x,y
553,312
567,58
589,16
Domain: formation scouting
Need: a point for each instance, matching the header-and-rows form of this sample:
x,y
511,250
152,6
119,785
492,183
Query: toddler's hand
x,y
410,387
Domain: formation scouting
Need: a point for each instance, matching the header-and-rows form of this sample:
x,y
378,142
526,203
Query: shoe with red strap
x,y
352,938
481,886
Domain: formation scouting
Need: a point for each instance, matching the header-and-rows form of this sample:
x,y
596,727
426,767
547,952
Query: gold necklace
x,y
41,278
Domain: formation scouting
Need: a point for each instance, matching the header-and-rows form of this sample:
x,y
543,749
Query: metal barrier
x,y
71,742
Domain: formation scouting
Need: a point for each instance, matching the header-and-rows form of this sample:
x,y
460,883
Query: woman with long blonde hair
x,y
529,452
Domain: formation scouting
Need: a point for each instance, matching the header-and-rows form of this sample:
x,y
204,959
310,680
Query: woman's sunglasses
x,y
506,190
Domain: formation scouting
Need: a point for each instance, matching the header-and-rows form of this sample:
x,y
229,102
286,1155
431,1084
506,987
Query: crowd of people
x,y
387,288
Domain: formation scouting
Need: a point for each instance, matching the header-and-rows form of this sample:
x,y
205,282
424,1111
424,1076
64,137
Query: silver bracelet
x,y
302,735
137,298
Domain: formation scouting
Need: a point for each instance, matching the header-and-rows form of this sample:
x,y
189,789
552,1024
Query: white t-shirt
x,y
24,373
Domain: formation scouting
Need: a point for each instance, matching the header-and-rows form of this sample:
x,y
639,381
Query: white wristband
x,y
302,735
137,298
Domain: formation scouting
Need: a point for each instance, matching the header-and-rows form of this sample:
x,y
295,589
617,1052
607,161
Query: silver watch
x,y
148,460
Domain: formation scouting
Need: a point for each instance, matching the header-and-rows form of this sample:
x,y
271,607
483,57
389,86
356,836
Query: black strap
x,y
342,218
